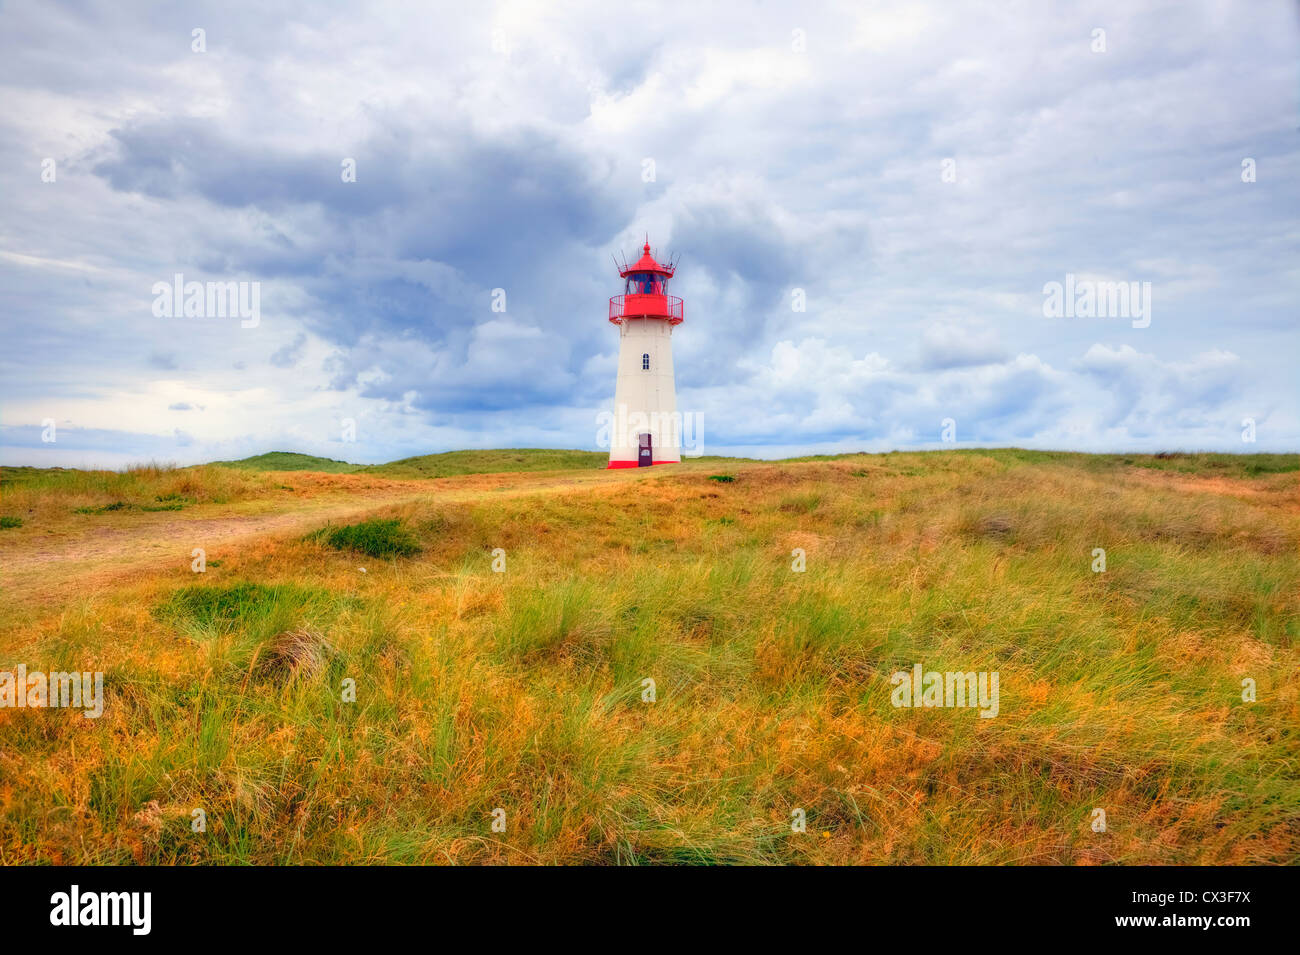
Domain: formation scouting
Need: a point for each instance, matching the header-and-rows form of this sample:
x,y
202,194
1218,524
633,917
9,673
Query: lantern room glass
x,y
644,283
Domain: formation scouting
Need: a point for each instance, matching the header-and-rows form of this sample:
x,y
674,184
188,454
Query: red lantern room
x,y
645,292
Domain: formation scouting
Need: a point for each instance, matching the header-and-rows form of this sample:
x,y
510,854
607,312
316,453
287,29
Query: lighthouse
x,y
646,427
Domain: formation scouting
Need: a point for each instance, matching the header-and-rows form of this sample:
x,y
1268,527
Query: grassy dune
x,y
454,463
293,461
42,495
25,490
447,464
522,690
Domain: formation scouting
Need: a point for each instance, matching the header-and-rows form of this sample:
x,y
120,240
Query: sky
x,y
869,201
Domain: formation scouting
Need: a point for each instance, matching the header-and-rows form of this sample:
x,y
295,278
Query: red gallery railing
x,y
647,306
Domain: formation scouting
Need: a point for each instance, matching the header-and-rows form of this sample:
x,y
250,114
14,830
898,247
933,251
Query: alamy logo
x,y
179,298
921,688
103,908
1084,298
84,691
683,430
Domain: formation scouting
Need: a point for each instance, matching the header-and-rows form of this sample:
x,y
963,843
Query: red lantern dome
x,y
645,292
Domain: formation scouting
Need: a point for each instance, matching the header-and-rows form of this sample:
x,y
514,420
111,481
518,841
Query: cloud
x,y
163,361
1145,392
950,346
289,355
514,157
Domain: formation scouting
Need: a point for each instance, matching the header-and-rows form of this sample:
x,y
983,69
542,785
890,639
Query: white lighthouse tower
x,y
646,428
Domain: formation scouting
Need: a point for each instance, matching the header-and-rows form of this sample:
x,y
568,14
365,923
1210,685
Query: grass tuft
x,y
238,606
374,538
300,651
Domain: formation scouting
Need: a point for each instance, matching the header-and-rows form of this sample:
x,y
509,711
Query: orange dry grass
x,y
523,691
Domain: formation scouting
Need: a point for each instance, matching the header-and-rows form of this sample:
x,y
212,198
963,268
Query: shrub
x,y
374,538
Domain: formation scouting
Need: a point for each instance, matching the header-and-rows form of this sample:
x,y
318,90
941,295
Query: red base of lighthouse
x,y
634,464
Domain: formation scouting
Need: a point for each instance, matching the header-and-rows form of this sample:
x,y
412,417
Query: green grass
x,y
6,521
447,464
374,538
222,608
453,463
1230,465
293,461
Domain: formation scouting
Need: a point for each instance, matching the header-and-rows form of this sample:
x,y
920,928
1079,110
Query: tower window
x,y
645,362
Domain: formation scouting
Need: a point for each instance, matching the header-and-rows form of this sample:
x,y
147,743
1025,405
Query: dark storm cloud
x,y
184,157
511,214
